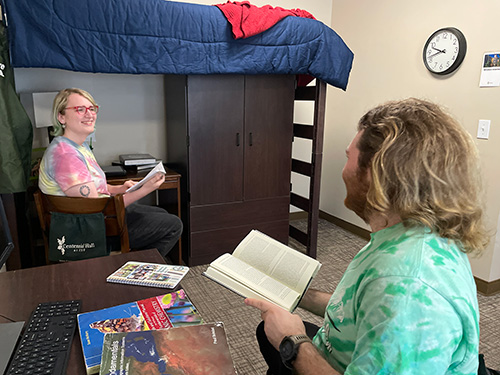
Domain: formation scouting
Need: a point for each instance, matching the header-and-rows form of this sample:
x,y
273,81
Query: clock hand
x,y
434,54
440,51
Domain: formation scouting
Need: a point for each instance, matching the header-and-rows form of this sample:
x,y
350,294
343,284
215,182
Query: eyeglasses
x,y
82,110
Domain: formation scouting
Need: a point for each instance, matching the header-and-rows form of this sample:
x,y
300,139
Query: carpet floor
x,y
336,248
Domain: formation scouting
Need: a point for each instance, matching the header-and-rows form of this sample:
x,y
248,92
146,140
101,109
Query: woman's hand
x,y
120,189
278,322
149,186
128,184
155,182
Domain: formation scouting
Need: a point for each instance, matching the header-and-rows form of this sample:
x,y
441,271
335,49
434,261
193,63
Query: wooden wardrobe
x,y
230,136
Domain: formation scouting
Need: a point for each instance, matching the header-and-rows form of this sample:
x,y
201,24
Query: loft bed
x,y
165,37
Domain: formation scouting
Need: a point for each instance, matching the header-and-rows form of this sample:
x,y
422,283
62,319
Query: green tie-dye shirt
x,y
406,304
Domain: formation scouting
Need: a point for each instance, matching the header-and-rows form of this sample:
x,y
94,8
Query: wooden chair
x,y
113,209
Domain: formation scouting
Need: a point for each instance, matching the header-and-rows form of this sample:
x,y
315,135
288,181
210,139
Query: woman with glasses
x,y
69,168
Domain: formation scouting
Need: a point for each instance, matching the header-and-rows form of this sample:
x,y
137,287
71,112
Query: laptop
x,y
9,332
9,335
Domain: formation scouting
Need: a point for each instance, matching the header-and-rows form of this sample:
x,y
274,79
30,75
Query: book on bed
x,y
261,267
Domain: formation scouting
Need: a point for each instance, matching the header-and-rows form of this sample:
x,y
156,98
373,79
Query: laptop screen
x,y
6,244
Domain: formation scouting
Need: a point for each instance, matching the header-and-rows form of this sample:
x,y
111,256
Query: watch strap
x,y
299,339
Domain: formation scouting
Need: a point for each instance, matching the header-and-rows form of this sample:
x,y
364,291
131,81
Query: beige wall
x,y
387,39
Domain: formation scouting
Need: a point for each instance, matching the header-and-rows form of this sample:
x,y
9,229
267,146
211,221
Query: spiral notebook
x,y
149,274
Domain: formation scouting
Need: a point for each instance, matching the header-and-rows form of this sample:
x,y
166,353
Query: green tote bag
x,y
77,236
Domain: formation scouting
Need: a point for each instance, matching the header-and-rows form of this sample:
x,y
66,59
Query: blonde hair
x,y
60,103
425,167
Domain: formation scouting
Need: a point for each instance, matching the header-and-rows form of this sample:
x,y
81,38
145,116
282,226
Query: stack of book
x,y
164,334
137,162
161,312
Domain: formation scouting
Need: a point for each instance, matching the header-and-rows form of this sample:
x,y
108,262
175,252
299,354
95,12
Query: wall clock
x,y
444,51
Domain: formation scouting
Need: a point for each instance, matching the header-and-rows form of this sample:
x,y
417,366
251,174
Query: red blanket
x,y
247,20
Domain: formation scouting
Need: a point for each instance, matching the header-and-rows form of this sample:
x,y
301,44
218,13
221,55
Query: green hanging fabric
x,y
16,132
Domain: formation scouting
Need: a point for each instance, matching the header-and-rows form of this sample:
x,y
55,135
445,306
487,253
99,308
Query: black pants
x,y
483,370
152,227
149,227
272,356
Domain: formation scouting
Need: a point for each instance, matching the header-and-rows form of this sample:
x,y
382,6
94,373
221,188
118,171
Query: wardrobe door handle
x,y
237,139
250,139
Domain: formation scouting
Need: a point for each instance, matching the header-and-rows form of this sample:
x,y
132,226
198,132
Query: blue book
x,y
161,312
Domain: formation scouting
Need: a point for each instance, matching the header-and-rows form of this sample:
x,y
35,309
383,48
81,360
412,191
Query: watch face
x,y
286,349
444,51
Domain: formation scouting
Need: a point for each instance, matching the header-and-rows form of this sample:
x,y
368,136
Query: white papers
x,y
490,72
158,169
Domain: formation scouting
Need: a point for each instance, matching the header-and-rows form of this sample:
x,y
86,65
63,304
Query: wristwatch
x,y
289,348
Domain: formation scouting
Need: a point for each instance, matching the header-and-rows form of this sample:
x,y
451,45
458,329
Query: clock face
x,y
444,51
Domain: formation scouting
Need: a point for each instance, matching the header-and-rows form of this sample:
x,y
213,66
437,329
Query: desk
x,y
172,181
22,290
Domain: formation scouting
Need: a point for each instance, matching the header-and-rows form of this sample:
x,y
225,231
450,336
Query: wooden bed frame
x,y
317,94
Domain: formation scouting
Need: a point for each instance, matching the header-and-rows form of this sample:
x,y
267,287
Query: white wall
x,y
320,9
387,39
132,110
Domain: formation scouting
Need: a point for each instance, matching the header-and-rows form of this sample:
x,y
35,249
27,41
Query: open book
x,y
158,169
261,267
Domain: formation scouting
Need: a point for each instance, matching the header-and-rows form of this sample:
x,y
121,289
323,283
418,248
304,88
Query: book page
x,y
289,266
158,169
253,280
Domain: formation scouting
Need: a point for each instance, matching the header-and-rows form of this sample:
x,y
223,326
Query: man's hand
x,y
278,322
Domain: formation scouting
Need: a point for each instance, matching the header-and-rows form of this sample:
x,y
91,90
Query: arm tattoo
x,y
84,190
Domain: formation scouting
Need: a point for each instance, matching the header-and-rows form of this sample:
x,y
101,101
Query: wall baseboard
x,y
298,215
488,288
484,287
354,229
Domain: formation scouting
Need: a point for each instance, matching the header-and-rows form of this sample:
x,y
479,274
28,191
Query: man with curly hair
x,y
407,303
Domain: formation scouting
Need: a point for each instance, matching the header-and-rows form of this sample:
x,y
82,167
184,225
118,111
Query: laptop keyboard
x,y
46,343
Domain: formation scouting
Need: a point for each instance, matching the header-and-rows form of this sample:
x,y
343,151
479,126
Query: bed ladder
x,y
313,169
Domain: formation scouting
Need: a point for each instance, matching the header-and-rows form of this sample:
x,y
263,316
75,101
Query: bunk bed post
x,y
317,160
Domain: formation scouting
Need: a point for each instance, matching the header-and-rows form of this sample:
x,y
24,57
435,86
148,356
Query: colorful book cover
x,y
148,274
164,311
194,350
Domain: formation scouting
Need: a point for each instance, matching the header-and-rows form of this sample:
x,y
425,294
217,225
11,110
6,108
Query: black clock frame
x,y
462,43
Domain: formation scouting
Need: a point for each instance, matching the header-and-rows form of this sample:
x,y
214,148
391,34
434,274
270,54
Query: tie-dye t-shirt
x,y
66,164
406,304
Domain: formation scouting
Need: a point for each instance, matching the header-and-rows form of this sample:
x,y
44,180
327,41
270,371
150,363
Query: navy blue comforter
x,y
164,37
